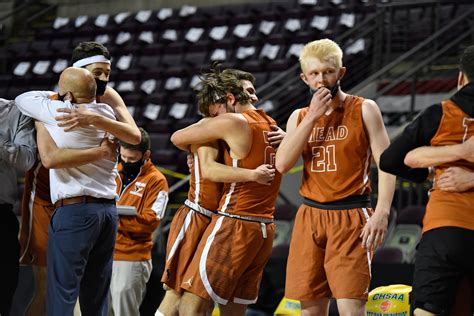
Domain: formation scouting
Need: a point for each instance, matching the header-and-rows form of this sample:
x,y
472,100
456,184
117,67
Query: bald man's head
x,y
79,82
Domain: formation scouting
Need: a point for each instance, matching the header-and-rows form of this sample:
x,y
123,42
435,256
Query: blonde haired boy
x,y
337,135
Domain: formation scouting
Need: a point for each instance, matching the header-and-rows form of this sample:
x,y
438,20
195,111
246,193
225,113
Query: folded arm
x,y
430,156
297,135
417,134
217,172
124,128
53,157
232,128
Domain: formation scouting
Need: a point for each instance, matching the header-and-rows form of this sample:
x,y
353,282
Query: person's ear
x,y
303,77
230,99
146,154
342,72
68,96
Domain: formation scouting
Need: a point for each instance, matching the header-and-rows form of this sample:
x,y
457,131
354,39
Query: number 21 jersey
x,y
337,155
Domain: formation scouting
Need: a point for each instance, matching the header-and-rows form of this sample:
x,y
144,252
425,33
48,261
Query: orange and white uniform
x,y
335,188
36,211
451,208
189,224
237,244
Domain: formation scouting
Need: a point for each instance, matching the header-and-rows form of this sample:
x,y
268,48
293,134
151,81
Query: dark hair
x,y
88,49
240,74
144,145
467,63
214,87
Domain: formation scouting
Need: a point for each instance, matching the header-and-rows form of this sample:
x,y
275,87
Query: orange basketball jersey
x,y
252,198
337,155
203,192
451,208
37,180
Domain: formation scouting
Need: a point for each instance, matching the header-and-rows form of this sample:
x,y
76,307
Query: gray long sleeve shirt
x,y
17,148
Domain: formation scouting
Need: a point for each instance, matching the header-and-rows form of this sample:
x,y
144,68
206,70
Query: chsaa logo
x,y
385,305
388,296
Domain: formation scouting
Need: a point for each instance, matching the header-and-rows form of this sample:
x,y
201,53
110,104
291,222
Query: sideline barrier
x,y
391,300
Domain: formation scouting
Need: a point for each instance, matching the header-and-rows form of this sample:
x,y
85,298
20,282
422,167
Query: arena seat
x,y
160,140
412,214
388,255
405,237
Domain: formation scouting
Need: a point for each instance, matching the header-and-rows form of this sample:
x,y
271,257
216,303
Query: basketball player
x,y
335,228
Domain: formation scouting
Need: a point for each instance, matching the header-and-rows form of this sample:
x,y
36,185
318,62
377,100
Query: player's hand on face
x,y
73,118
456,179
320,102
276,136
264,174
110,148
374,231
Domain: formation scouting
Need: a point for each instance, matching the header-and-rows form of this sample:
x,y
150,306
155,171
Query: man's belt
x,y
82,199
198,208
350,202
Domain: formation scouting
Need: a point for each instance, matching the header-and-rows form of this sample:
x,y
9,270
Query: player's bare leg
x,y
191,304
351,307
312,308
169,304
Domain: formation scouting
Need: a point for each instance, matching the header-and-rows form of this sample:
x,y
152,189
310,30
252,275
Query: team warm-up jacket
x,y
149,194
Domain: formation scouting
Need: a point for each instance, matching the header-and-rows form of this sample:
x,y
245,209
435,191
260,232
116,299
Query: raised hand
x,y
110,148
276,136
74,118
320,103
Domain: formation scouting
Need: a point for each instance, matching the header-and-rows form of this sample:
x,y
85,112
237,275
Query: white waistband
x,y
248,218
198,208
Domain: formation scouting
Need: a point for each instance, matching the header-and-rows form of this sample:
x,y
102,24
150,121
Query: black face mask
x,y
333,89
131,168
101,85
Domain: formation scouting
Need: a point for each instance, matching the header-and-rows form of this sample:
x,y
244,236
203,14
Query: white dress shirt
x,y
95,179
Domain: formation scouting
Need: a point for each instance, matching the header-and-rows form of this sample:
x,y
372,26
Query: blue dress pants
x,y
81,244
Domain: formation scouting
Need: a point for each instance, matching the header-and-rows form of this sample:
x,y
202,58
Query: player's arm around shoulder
x,y
293,143
53,157
226,127
126,126
215,171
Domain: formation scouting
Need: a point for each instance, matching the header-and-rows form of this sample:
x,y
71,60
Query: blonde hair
x,y
325,50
